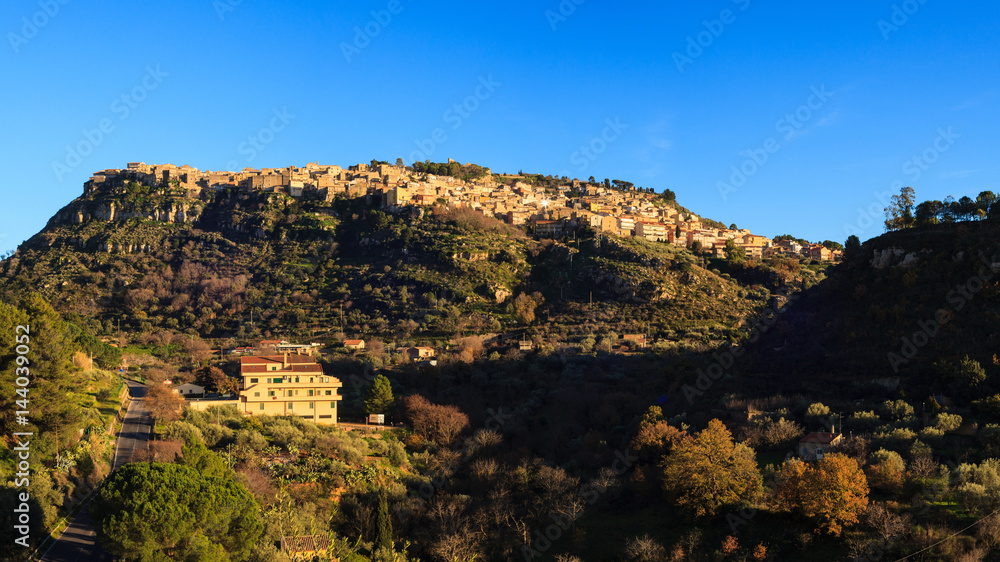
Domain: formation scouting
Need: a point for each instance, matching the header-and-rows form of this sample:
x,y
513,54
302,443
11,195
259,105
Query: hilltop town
x,y
618,209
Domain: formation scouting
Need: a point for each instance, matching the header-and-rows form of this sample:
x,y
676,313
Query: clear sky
x,y
821,106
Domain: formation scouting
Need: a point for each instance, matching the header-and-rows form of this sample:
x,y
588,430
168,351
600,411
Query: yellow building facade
x,y
289,385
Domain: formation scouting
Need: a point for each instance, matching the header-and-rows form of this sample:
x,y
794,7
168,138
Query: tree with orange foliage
x,y
707,471
832,491
730,545
164,404
441,424
655,440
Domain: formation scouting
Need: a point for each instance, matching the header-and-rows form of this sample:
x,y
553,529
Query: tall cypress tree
x,y
384,538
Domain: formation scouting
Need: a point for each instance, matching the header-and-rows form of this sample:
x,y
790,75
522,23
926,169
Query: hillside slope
x,y
158,259
905,309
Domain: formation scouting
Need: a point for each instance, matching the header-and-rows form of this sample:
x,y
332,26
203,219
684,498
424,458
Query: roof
x,y
353,342
296,364
305,543
821,438
291,368
191,385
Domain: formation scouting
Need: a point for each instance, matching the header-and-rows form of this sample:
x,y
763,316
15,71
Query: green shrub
x,y
817,410
947,422
897,410
183,431
216,435
251,438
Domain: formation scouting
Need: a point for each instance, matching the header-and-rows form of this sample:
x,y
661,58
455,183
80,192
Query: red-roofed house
x,y
637,338
354,344
814,445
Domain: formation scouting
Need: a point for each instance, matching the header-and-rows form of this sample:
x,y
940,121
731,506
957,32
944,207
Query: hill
x,y
245,264
238,265
902,311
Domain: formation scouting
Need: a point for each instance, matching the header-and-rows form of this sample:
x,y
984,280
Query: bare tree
x,y
645,549
164,404
197,350
441,424
886,523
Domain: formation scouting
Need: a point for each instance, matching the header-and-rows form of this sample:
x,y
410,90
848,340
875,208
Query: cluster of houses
x,y
547,212
313,180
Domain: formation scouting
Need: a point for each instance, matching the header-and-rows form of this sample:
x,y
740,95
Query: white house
x,y
188,389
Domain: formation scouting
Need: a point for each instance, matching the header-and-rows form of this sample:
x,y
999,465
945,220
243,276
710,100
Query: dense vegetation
x,y
71,402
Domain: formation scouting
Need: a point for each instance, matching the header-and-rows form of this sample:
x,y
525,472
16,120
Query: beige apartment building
x,y
652,231
289,385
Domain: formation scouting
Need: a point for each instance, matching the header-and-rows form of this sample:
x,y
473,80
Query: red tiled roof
x,y
820,437
296,363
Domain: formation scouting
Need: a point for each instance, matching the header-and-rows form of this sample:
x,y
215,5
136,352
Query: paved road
x,y
79,541
135,430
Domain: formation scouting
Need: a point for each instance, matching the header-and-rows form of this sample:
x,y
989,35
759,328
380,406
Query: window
x,y
310,405
310,392
276,381
256,395
326,379
261,405
310,379
333,405
296,379
296,392
289,392
329,393
270,393
291,405
253,381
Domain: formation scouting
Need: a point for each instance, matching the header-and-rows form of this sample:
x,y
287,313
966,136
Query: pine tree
x,y
379,398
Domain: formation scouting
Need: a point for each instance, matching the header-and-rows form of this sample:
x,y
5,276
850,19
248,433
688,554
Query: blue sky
x,y
822,107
